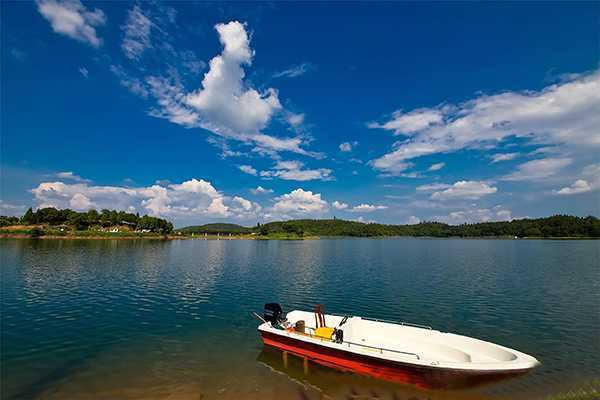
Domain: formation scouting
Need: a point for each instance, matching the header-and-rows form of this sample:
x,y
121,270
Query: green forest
x,y
91,219
559,226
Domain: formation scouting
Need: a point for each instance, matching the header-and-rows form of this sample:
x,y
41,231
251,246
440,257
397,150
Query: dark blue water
x,y
127,319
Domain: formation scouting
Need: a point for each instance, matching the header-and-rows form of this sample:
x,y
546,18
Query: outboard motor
x,y
273,313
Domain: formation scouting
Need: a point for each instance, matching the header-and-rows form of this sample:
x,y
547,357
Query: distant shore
x,y
256,237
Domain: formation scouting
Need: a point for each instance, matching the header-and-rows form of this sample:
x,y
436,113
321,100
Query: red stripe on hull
x,y
423,377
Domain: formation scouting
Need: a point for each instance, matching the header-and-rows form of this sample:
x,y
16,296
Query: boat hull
x,y
420,376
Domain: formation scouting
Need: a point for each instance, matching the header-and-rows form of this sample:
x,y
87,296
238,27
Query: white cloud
x,y
348,146
293,71
471,190
171,99
473,216
80,202
73,19
261,190
134,85
84,72
226,104
294,171
18,55
71,176
339,205
436,167
592,170
191,62
503,157
9,209
432,187
248,169
409,123
589,182
579,186
367,208
299,202
563,114
137,33
412,220
538,169
186,200
294,120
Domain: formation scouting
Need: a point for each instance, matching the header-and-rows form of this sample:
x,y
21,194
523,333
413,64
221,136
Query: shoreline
x,y
248,237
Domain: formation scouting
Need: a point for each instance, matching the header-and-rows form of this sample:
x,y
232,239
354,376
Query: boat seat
x,y
324,332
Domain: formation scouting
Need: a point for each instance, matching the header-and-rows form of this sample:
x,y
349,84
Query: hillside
x,y
556,226
213,229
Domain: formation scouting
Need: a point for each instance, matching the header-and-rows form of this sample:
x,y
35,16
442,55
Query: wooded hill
x,y
213,229
556,226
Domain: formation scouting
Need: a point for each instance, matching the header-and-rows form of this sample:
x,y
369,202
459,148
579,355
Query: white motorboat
x,y
394,351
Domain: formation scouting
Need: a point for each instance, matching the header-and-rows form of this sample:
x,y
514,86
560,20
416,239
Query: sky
x,y
251,112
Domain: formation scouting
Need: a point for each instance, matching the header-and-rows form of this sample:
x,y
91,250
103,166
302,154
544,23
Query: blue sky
x,y
246,112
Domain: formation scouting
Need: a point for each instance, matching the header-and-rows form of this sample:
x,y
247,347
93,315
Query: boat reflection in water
x,y
337,383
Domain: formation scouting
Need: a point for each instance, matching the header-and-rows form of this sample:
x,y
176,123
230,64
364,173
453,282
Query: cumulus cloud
x,y
80,202
589,182
261,190
226,104
563,114
194,198
347,146
71,176
295,171
293,71
471,190
367,208
339,205
503,157
537,169
73,19
476,215
223,99
579,186
412,220
137,33
436,167
299,202
248,169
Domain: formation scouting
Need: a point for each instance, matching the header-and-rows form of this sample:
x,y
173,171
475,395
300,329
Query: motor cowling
x,y
338,336
273,313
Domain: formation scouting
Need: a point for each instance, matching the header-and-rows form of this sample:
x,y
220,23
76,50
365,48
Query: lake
x,y
139,319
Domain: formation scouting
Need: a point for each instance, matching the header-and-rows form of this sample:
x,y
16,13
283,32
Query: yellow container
x,y
324,332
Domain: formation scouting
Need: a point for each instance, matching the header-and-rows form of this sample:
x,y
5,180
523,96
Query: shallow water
x,y
127,319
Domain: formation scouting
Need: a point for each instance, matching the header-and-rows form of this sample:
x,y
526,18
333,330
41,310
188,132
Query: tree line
x,y
555,226
89,219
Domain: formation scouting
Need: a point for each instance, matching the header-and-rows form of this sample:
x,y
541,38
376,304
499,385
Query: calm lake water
x,y
128,319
